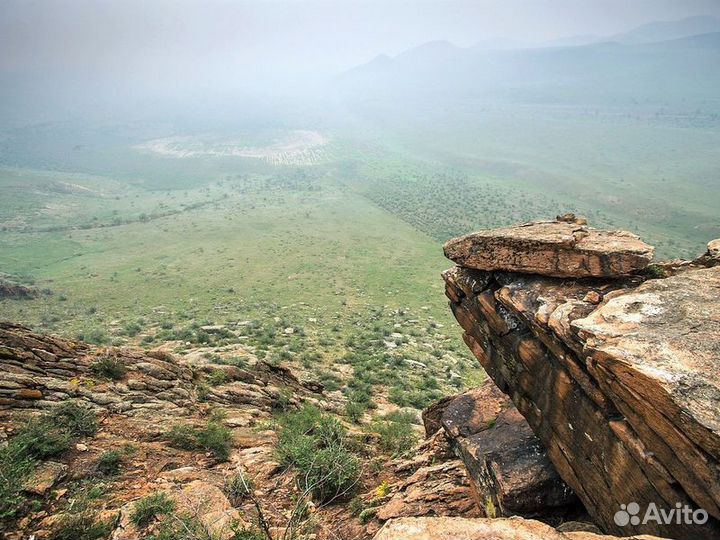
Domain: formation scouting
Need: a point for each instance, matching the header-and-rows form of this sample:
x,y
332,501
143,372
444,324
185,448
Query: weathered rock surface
x,y
45,477
156,391
616,377
457,528
433,483
38,371
509,470
552,248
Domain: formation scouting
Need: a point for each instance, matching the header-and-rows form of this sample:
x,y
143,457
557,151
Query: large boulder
x,y
561,248
509,470
618,379
456,528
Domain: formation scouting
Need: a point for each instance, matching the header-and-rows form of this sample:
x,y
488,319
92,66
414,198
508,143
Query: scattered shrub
x,y
314,443
109,463
15,466
109,368
214,438
217,377
77,420
238,487
183,437
396,432
367,515
149,508
354,411
217,439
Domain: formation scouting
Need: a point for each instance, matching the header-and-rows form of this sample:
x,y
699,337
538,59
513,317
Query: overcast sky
x,y
83,50
171,35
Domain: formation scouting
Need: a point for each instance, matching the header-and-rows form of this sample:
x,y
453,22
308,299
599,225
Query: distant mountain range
x,y
649,33
657,63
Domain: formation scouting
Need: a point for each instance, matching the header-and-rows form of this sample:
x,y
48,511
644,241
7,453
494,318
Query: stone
x,y
459,528
432,415
552,248
714,249
439,489
622,394
210,506
509,470
656,352
44,477
474,411
29,393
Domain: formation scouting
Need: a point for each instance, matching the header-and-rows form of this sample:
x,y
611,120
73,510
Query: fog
x,y
66,59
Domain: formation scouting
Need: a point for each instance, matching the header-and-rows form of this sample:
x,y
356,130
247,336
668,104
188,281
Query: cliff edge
x,y
612,361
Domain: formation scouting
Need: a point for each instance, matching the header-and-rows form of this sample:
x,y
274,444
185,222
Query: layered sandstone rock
x,y
444,528
566,247
39,371
509,470
617,377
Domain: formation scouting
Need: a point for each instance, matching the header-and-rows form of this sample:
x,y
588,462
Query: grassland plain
x,y
331,266
291,250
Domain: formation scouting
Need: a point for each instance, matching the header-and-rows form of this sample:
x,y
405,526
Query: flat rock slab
x,y
45,477
552,248
458,528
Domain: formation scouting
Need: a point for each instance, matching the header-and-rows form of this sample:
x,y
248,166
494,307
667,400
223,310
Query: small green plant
x,y
79,421
367,515
110,463
182,436
314,443
149,508
396,432
355,411
214,438
109,368
15,466
238,487
217,377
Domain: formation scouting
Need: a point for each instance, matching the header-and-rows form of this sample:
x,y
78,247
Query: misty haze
x,y
223,226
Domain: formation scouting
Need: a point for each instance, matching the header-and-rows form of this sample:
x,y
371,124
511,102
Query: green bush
x,y
217,439
214,438
182,527
238,487
314,443
183,437
15,466
354,411
217,377
77,420
42,438
396,432
109,368
149,508
110,462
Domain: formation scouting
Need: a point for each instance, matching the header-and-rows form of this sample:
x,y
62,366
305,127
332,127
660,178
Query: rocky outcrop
x,y
444,528
566,247
509,470
38,371
618,377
